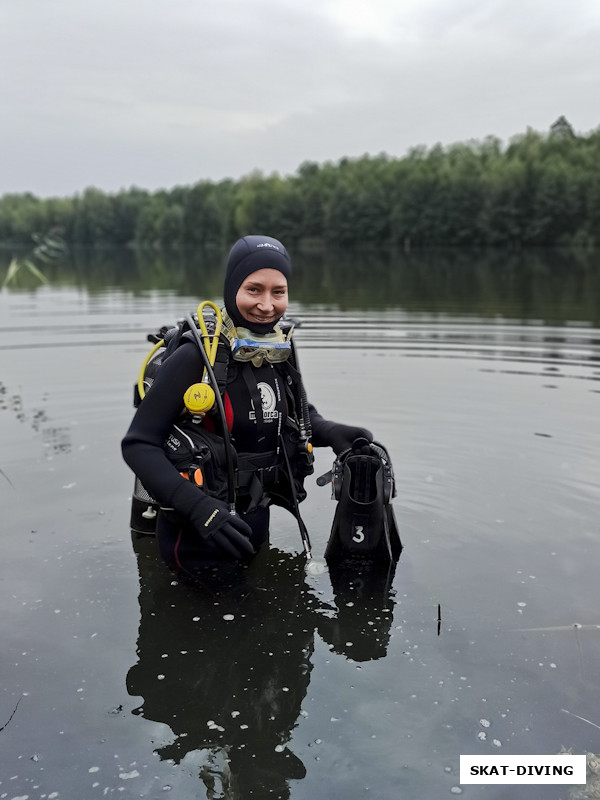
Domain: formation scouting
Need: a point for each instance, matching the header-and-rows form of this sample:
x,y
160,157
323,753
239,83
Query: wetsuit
x,y
260,403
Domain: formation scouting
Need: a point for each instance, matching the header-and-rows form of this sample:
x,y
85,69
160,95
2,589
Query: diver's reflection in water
x,y
227,667
365,610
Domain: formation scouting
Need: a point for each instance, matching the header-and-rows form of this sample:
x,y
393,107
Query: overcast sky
x,y
156,93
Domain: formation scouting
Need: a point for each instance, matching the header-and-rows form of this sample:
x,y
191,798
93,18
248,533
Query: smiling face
x,y
263,296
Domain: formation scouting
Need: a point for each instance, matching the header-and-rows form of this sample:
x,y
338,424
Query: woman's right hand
x,y
232,537
213,520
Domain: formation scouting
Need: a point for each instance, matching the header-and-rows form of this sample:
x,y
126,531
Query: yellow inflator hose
x,y
210,344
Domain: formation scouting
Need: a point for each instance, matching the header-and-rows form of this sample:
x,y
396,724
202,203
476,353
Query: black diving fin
x,y
364,524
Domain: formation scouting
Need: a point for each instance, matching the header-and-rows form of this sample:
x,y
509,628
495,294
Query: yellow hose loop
x,y
140,384
210,344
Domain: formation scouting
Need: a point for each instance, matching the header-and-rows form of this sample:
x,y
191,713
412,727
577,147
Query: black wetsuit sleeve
x,y
320,427
337,435
142,446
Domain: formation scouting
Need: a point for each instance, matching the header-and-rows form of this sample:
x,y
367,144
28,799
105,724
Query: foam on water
x,y
315,567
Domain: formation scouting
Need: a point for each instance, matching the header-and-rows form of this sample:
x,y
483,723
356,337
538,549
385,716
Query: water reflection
x,y
56,439
553,286
360,628
227,668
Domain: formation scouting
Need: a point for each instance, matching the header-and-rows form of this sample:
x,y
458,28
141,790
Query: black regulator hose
x,y
221,410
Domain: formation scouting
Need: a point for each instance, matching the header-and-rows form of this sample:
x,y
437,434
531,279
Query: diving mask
x,y
246,345
259,351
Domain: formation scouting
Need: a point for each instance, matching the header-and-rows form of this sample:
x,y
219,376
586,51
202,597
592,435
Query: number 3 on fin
x,y
358,535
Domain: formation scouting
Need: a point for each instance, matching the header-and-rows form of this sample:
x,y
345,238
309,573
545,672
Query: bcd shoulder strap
x,y
221,365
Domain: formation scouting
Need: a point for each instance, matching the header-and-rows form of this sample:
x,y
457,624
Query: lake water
x,y
480,374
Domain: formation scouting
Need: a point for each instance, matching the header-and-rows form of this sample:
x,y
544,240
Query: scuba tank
x,y
364,524
144,509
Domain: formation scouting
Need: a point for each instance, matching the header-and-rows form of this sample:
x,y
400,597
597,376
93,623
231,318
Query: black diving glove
x,y
213,520
340,437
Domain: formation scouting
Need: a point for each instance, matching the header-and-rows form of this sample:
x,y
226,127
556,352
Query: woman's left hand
x,y
341,436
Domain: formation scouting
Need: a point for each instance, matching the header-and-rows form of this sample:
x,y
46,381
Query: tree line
x,y
539,190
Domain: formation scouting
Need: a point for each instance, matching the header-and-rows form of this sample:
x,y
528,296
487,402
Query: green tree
x,y
94,220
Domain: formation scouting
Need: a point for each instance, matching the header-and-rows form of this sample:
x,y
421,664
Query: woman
x,y
267,415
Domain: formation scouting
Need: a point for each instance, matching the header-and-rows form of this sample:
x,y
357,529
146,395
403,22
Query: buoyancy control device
x,y
201,444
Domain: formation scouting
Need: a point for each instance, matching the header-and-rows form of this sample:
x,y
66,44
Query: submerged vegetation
x,y
49,248
539,190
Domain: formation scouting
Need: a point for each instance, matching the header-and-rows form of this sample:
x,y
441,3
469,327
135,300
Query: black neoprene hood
x,y
245,257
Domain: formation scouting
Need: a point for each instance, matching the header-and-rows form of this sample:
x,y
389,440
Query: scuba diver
x,y
214,472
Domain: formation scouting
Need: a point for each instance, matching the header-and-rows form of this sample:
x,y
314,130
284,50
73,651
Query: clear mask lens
x,y
273,352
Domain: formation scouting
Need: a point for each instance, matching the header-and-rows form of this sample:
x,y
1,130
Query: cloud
x,y
163,92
